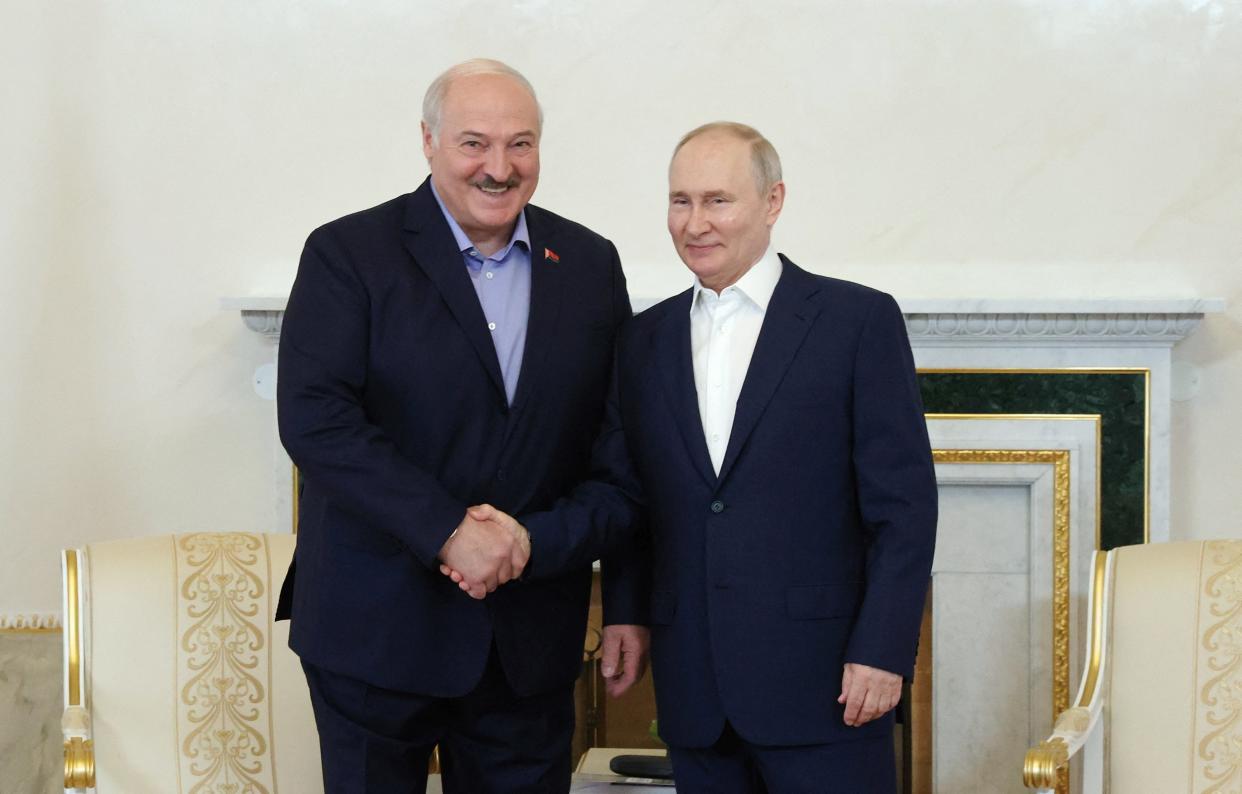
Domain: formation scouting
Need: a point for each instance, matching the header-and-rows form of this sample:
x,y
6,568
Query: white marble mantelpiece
x,y
1047,321
1044,321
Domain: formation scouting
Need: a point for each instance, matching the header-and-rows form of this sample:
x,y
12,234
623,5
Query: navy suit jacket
x,y
391,403
812,547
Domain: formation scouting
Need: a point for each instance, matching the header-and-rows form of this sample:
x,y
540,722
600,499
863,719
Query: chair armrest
x,y
1047,762
75,726
1043,762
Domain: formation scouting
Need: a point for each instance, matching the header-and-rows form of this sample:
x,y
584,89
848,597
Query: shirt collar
x,y
520,232
757,284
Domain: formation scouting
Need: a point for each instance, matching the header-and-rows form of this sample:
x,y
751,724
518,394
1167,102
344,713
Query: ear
x,y
776,201
428,143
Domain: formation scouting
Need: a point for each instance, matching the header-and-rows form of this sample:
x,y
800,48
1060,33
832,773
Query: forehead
x,y
710,161
489,103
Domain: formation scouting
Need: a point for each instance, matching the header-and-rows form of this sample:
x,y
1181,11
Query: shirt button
x,y
491,326
489,274
473,252
717,506
715,436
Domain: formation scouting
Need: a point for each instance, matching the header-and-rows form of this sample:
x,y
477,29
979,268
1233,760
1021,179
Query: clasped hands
x,y
488,549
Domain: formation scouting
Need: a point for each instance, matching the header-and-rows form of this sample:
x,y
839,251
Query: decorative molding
x,y
1059,459
265,322
1094,323
40,623
263,315
936,322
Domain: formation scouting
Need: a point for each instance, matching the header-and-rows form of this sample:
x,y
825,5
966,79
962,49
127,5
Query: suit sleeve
x,y
603,517
322,420
896,484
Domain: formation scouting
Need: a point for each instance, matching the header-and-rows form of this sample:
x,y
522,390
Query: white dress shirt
x,y
723,332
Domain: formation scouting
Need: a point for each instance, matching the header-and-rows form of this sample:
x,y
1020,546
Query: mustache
x,y
491,184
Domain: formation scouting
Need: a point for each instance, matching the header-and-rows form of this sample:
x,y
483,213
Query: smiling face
x,y
485,159
720,222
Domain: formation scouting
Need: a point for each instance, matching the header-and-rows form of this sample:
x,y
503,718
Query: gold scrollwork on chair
x,y
223,718
1218,724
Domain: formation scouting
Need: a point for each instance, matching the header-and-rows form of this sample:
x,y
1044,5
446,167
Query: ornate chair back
x,y
176,677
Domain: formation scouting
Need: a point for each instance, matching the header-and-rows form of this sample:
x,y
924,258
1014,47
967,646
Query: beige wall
x,y
156,156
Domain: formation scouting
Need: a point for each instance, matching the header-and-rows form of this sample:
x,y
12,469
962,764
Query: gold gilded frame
x,y
1059,460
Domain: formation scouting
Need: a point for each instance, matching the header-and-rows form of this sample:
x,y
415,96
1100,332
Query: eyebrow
x,y
476,134
710,194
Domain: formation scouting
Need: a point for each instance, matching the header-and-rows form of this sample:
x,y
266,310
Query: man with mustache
x,y
774,426
448,348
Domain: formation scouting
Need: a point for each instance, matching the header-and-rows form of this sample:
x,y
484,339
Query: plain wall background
x,y
156,156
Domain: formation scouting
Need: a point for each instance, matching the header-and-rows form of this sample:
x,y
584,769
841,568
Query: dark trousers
x,y
491,740
734,766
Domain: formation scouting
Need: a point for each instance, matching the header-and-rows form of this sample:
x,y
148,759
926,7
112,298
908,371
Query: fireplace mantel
x,y
1158,322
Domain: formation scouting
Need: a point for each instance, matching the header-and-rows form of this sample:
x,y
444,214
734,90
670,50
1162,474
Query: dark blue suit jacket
x,y
812,547
391,403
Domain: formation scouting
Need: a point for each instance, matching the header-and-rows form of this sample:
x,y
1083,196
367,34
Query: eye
x,y
522,145
472,145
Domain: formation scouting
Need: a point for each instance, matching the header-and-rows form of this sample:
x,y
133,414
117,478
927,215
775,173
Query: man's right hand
x,y
487,550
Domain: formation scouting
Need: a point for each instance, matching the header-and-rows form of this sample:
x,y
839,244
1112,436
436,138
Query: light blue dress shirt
x,y
502,282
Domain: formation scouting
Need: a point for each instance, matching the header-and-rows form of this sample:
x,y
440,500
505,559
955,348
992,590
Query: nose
x,y
497,164
697,223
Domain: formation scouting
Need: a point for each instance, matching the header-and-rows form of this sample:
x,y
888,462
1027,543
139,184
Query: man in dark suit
x,y
773,421
449,348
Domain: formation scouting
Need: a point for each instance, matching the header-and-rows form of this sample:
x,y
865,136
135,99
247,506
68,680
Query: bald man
x,y
446,349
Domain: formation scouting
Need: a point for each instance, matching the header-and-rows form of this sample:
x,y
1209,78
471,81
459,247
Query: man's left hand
x,y
624,656
868,692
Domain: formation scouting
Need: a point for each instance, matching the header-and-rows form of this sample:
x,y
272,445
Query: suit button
x,y
502,475
717,506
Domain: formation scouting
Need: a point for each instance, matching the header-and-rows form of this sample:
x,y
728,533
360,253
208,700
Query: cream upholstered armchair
x,y
176,677
1159,710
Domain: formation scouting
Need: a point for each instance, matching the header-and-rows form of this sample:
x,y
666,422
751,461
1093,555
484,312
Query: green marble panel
x,y
1120,398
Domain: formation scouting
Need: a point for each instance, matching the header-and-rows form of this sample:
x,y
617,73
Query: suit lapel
x,y
672,350
545,304
785,324
430,241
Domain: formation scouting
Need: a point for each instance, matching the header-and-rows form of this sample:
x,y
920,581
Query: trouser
x,y
734,766
491,740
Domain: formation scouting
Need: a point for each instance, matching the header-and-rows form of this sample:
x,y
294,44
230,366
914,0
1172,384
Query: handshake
x,y
488,548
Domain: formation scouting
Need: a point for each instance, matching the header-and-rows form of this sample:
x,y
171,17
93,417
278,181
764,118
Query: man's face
x,y
485,163
719,221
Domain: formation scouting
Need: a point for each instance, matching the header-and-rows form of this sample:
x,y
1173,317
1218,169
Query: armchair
x,y
1159,708
176,677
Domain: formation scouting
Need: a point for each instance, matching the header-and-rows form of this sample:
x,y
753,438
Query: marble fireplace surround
x,y
1020,508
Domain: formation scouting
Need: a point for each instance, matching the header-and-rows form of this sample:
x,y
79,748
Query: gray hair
x,y
433,101
765,163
